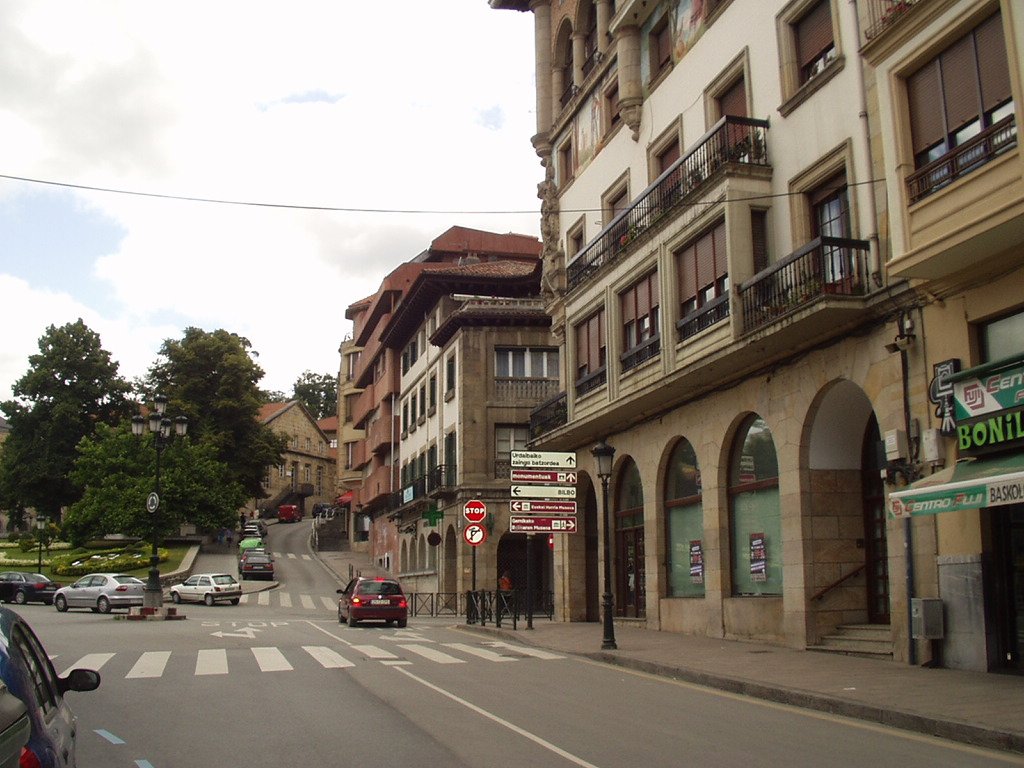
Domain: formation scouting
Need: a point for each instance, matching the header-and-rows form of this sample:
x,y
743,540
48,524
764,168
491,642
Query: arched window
x,y
684,524
630,570
754,514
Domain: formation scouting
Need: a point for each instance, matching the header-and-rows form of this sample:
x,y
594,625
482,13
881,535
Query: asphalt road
x,y
281,683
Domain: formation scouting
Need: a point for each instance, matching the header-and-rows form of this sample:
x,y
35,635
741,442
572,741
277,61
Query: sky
x,y
405,117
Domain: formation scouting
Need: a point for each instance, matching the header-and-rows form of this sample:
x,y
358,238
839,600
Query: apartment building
x,y
717,267
306,473
412,406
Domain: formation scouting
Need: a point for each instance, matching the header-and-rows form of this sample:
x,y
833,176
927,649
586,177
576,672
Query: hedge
x,y
80,562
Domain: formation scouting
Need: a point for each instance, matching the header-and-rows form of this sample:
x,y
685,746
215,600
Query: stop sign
x,y
475,511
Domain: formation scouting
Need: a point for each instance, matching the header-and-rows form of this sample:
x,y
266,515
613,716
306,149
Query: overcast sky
x,y
420,110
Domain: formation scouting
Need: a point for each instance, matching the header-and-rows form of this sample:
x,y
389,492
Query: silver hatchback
x,y
101,592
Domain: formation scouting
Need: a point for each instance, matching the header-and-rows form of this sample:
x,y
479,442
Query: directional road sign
x,y
544,459
543,492
542,476
530,524
474,534
517,507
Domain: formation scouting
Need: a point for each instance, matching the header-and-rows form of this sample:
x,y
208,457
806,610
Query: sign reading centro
x,y
974,484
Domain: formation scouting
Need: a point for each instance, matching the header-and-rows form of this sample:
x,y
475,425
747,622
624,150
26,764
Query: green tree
x,y
72,385
118,471
211,378
318,392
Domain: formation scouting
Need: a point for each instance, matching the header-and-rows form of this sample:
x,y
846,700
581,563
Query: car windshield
x,y
225,579
257,558
378,588
124,579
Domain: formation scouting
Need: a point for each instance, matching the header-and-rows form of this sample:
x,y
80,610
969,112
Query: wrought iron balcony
x,y
733,141
642,352
548,416
713,312
826,266
883,14
963,159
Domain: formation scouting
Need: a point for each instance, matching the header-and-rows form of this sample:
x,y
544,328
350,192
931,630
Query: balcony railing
x,y
963,159
826,266
592,381
568,95
528,391
640,353
593,58
548,416
733,140
883,14
713,312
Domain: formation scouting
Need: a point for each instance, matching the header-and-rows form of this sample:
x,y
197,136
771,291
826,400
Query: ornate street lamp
x,y
603,455
40,528
161,426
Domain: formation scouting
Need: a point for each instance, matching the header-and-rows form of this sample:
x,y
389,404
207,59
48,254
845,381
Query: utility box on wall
x,y
926,618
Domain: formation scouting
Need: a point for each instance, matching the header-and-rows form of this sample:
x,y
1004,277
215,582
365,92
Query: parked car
x,y
289,513
256,565
252,542
15,728
377,599
253,532
23,587
259,525
207,588
101,592
26,670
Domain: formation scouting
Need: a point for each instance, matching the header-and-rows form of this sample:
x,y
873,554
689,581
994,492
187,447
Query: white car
x,y
101,592
207,588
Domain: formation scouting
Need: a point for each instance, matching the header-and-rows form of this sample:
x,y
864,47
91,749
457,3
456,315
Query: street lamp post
x,y
603,454
40,528
160,425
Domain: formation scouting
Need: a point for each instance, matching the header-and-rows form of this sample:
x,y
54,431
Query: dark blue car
x,y
28,674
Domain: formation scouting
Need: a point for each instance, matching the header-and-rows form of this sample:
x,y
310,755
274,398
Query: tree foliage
x,y
71,386
211,378
318,392
118,471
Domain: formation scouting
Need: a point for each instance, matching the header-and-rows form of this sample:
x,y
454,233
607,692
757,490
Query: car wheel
x,y
103,605
60,603
20,597
402,623
234,601
175,597
352,620
208,599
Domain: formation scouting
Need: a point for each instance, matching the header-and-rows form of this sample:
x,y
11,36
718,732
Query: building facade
x,y
736,266
306,474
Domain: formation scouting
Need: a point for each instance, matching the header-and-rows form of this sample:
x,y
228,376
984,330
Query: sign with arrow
x,y
518,507
544,459
542,476
543,492
533,524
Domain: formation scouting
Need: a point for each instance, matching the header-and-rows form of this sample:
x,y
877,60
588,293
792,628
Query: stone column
x,y
579,55
604,17
542,65
627,44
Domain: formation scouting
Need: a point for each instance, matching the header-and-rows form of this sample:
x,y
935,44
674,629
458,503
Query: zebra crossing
x,y
288,600
268,659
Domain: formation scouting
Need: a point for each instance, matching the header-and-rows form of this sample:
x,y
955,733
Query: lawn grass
x,y
175,554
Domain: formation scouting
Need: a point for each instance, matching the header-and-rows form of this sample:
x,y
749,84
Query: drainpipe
x,y
908,540
874,252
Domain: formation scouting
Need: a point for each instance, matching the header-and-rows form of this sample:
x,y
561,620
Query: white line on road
x,y
483,653
329,604
328,658
150,664
500,721
433,655
536,653
93,661
263,598
286,600
373,652
271,660
212,662
292,556
307,602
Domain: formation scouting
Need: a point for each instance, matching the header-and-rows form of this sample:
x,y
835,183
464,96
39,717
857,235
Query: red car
x,y
373,599
289,513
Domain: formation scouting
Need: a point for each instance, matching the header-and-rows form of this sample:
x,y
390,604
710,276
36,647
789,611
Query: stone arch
x,y
449,576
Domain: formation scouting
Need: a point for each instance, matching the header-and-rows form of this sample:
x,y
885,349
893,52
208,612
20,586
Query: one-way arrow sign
x,y
541,524
543,492
544,459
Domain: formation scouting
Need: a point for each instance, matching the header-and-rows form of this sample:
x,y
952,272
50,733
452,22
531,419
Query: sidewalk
x,y
977,708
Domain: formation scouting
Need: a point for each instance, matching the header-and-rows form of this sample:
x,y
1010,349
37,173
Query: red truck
x,y
289,513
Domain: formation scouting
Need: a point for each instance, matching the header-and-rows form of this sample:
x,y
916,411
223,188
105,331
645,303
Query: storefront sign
x,y
940,392
999,432
990,393
758,557
696,562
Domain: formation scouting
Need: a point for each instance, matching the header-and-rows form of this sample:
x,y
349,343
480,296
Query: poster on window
x,y
758,557
696,562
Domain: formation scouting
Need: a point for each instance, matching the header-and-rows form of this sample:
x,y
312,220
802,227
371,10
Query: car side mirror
x,y
79,680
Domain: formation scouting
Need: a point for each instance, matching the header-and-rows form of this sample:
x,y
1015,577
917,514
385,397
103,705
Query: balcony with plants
x,y
735,145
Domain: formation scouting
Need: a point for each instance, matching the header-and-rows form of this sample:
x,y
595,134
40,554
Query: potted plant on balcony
x,y
895,9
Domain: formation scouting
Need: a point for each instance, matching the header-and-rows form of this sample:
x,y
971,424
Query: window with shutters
x,y
830,218
961,107
566,162
590,353
665,150
612,115
640,334
703,272
660,46
759,239
810,49
815,43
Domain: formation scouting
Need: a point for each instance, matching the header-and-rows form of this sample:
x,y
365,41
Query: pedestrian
x,y
230,538
505,582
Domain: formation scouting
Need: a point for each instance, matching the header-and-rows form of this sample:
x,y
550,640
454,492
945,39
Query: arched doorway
x,y
527,559
449,579
630,573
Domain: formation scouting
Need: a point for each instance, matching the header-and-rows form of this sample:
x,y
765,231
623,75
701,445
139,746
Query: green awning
x,y
968,484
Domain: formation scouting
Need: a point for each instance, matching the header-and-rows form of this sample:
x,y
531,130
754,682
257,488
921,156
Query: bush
x,y
82,561
26,542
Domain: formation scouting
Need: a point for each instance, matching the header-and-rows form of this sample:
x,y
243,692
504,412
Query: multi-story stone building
x,y
350,445
433,408
733,261
306,473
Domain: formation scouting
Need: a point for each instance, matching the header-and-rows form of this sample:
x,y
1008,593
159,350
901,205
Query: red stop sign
x,y
475,511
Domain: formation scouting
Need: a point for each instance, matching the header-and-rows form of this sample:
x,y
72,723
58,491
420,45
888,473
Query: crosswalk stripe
x,y
307,557
212,662
328,658
93,661
432,654
536,653
286,600
307,602
271,660
263,598
373,652
291,556
150,664
329,604
483,653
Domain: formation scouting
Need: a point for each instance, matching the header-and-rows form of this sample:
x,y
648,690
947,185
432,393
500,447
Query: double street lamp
x,y
163,430
603,455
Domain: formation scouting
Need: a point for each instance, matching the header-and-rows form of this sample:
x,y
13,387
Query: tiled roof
x,y
270,410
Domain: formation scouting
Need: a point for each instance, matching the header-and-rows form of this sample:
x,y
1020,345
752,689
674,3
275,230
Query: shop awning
x,y
345,498
968,484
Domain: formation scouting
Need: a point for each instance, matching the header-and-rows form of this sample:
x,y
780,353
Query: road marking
x,y
150,664
433,655
307,557
94,661
329,604
327,657
373,652
212,662
271,660
108,736
263,598
307,602
500,721
526,651
396,663
291,556
483,653
286,600
143,764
